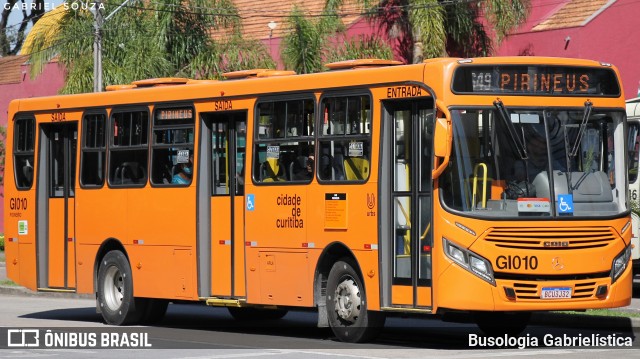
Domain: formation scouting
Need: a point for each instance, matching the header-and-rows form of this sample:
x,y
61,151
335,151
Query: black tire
x,y
501,323
256,313
115,291
347,306
154,311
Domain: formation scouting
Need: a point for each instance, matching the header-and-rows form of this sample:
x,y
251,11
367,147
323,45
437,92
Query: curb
x,y
22,291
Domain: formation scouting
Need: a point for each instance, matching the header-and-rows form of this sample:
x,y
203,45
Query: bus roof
x,y
156,90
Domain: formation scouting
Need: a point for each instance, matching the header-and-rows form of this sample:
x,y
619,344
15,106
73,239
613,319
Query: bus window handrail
x,y
475,185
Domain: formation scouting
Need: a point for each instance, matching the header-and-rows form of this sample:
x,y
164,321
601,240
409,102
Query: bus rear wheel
x,y
115,290
501,323
347,306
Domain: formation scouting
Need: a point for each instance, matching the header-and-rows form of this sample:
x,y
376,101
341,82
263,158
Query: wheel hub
x,y
348,301
113,288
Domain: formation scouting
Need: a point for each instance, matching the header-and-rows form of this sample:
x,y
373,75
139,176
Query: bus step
x,y
56,290
225,302
407,310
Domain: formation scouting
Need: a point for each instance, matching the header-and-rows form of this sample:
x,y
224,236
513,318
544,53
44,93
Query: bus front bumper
x,y
465,291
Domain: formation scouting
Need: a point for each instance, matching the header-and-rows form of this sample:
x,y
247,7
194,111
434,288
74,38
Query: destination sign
x,y
535,80
175,114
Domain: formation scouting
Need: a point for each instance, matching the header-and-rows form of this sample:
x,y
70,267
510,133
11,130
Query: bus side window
x,y
345,140
24,138
93,159
171,151
284,133
129,151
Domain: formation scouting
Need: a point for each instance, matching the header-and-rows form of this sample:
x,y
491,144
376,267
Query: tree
x,y
433,28
359,47
150,39
302,46
311,42
12,35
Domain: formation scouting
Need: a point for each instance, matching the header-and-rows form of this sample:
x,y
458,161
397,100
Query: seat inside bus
x,y
272,170
356,168
590,190
130,173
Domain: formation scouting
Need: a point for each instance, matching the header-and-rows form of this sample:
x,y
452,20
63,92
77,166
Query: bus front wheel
x,y
115,290
347,306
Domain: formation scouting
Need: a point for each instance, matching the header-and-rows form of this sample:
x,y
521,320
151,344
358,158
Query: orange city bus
x,y
489,186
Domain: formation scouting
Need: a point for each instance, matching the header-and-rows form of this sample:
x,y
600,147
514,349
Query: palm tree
x,y
150,39
302,46
310,43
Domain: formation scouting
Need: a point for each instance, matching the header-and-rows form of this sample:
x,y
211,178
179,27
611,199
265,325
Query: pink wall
x,y
48,83
609,37
359,27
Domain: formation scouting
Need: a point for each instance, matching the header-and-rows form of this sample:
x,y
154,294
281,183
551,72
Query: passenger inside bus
x,y
302,168
331,163
183,172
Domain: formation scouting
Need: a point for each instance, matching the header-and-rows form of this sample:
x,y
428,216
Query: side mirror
x,y
441,146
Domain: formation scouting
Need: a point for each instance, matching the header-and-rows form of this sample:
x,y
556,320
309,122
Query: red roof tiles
x,y
10,71
574,13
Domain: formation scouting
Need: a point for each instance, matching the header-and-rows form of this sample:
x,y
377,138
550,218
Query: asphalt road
x,y
195,331
199,332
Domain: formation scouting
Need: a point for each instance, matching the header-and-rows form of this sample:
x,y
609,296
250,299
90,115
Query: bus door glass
x,y
411,133
225,155
633,150
57,238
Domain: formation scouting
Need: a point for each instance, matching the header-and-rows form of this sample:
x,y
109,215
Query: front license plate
x,y
556,293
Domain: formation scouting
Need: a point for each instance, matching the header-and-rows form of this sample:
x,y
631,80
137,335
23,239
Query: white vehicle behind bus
x,y
633,119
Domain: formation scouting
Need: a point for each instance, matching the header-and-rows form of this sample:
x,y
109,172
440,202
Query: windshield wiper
x,y
504,115
588,106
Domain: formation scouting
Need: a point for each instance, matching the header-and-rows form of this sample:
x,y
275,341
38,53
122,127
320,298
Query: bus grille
x,y
551,238
533,291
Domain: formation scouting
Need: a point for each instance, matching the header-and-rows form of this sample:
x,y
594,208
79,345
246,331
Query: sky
x,y
16,15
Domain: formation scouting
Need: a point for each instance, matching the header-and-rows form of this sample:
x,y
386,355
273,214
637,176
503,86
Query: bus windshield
x,y
555,162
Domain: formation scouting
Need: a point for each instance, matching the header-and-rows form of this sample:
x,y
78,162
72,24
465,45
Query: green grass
x,y
8,282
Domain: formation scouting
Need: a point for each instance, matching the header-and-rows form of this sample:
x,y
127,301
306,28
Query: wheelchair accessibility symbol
x,y
250,202
565,203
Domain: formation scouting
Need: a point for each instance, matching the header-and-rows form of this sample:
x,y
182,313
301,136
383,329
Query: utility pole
x,y
97,42
97,48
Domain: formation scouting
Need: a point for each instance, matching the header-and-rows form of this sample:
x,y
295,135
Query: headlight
x,y
469,260
620,263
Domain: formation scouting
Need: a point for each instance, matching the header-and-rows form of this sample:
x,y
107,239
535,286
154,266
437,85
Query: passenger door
x,y
222,166
407,156
56,205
